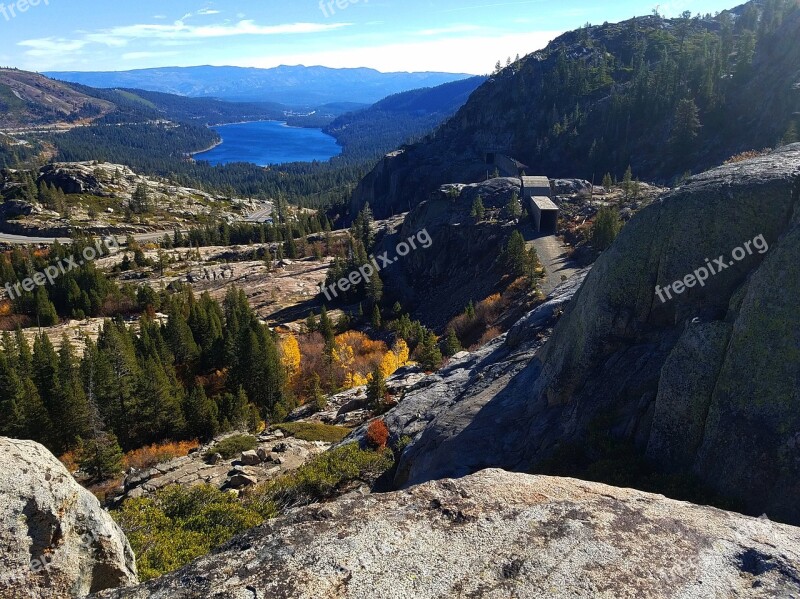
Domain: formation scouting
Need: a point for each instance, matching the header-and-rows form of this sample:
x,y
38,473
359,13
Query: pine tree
x,y
478,211
318,398
376,390
375,289
326,329
685,128
430,356
518,258
607,182
513,208
452,345
12,417
627,182
311,322
605,228
100,457
73,413
140,200
46,315
376,317
201,415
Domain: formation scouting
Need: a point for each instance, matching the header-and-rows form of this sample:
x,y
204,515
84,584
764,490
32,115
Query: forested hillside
x,y
400,118
665,96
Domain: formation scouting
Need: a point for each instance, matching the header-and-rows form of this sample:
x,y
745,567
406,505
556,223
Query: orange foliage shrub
x,y
377,434
747,155
6,308
472,330
147,457
70,461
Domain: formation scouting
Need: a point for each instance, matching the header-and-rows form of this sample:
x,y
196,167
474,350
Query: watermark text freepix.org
x,y
712,268
329,7
102,247
9,11
421,239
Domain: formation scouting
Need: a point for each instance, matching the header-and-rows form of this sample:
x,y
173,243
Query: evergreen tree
x,y
685,128
607,182
12,417
430,356
326,329
605,228
311,322
515,254
376,317
452,345
375,289
478,211
318,398
100,457
46,314
513,208
627,182
140,200
376,390
73,413
201,415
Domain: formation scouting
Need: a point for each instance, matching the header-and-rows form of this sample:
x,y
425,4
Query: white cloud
x,y
152,34
49,46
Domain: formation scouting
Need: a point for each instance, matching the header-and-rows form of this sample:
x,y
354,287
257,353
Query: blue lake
x,y
270,142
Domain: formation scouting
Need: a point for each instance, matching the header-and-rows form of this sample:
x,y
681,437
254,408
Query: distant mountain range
x,y
297,86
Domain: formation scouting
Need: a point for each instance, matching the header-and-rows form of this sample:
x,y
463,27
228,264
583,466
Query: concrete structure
x,y
544,214
507,166
536,194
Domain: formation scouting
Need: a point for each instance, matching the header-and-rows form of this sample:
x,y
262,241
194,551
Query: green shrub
x,y
314,431
179,525
324,477
605,228
232,446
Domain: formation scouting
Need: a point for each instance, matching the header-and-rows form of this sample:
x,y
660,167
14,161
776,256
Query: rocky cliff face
x,y
462,264
704,385
55,539
496,534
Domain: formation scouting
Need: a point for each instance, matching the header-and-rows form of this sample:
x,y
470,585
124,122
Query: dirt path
x,y
554,256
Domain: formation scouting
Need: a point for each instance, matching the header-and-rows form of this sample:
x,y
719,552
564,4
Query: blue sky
x,y
389,35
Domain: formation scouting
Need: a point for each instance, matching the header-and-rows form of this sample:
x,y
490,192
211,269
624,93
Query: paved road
x,y
25,240
260,216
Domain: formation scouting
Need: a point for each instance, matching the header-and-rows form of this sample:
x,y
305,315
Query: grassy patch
x,y
326,476
232,446
179,525
314,431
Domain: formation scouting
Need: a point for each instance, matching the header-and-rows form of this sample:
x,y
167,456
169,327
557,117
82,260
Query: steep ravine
x,y
705,385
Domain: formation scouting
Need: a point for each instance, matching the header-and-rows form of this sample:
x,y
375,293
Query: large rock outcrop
x,y
704,386
55,539
464,261
497,534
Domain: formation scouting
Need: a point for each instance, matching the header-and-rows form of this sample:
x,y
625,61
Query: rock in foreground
x,y
498,534
55,539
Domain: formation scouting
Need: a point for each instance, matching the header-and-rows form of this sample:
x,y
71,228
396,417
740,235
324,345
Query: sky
x,y
458,36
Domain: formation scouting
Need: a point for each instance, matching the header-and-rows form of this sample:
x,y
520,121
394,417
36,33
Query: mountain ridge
x,y
293,85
